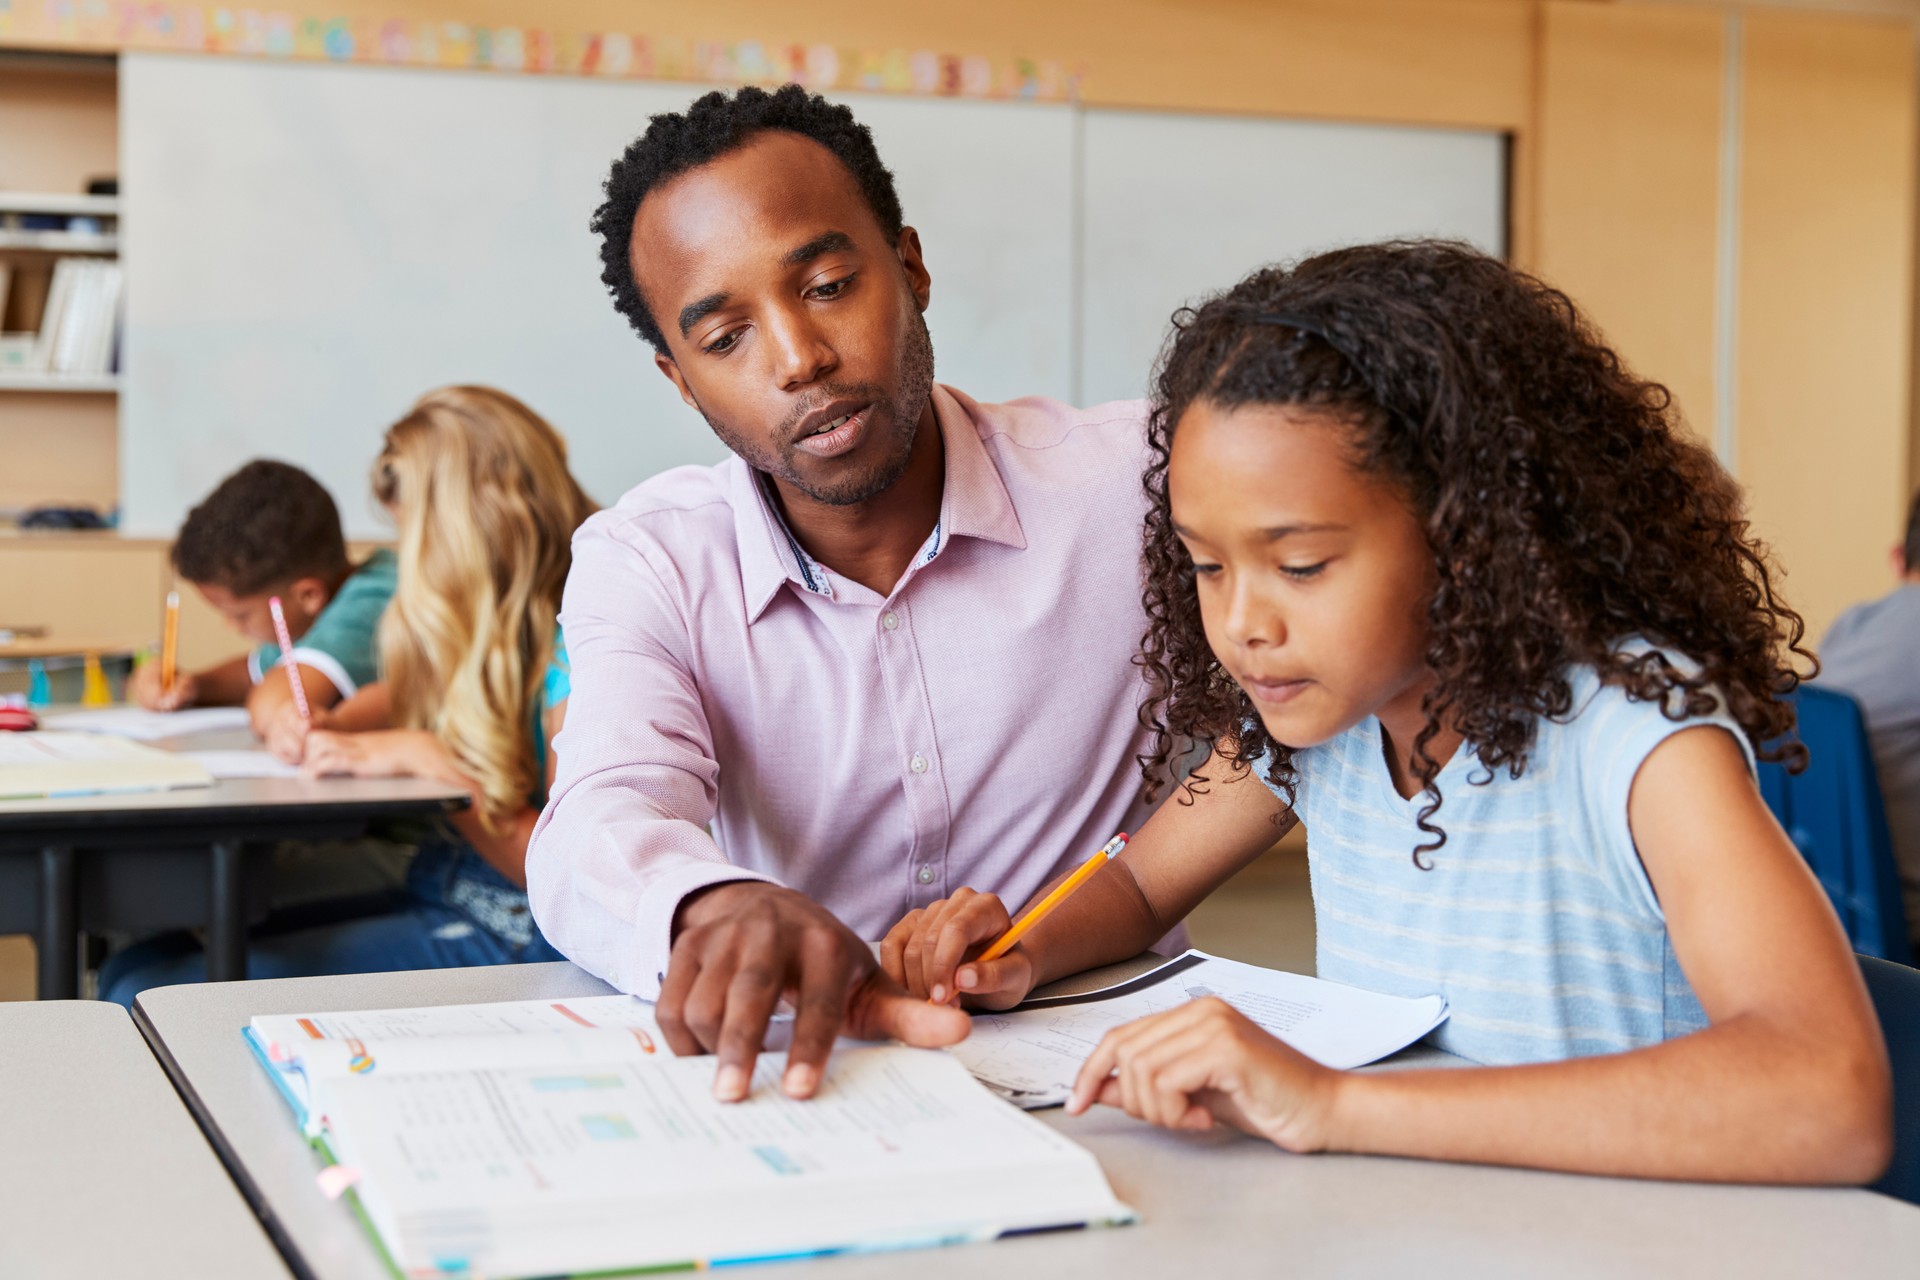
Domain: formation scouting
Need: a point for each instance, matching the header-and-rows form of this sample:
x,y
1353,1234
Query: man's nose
x,y
801,353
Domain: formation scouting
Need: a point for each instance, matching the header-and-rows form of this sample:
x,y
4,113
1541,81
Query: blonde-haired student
x,y
474,681
1436,574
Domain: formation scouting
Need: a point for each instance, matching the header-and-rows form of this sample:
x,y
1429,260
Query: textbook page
x,y
1030,1056
581,1168
291,1033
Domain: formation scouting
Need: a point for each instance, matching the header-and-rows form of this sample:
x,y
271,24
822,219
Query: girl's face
x,y
1313,577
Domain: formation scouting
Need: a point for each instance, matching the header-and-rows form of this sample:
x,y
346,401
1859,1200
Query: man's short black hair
x,y
1913,534
709,129
266,524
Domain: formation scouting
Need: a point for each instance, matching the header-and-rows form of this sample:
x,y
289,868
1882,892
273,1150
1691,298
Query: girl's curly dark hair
x,y
1565,507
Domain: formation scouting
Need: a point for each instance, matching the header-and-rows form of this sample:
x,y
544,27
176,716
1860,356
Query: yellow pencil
x,y
170,643
1044,908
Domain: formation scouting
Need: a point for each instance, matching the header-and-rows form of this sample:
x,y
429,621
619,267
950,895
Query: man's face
x,y
792,323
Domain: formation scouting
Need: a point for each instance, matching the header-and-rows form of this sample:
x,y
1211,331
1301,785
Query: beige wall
x,y
1618,113
1792,286
1825,284
1630,128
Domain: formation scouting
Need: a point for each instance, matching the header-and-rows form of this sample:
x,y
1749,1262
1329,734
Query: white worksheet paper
x,y
146,726
1030,1056
242,764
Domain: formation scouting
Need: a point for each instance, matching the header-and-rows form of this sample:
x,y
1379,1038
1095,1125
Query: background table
x,y
105,1172
133,855
1213,1205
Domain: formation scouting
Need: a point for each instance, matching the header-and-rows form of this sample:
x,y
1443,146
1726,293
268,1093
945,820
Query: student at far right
x,y
1431,570
1873,654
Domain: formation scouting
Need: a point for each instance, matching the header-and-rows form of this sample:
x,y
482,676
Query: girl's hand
x,y
286,734
357,755
1206,1063
925,953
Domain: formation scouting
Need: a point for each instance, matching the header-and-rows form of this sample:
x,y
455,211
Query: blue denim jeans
x,y
457,911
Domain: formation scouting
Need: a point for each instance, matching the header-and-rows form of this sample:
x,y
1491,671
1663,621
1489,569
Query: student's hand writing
x,y
286,733
925,953
358,755
145,689
741,946
1206,1063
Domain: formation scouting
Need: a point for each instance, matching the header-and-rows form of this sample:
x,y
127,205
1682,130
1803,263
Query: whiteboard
x,y
310,247
1178,207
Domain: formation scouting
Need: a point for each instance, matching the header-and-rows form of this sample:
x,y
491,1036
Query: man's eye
x,y
832,288
1301,572
725,342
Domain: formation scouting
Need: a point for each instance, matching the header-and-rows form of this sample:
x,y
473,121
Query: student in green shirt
x,y
268,530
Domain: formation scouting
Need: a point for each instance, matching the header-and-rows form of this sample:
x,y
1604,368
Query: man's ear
x,y
1897,557
907,248
669,366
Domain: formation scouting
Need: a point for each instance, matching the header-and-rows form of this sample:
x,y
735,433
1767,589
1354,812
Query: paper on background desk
x,y
242,764
52,765
1030,1056
146,726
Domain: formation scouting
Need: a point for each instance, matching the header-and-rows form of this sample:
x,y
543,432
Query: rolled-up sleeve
x,y
623,838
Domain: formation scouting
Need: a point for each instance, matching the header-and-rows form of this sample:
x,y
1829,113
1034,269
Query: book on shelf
x,y
82,315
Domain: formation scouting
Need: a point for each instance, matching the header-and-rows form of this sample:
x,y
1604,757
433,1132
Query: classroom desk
x,y
1213,1205
105,1172
56,842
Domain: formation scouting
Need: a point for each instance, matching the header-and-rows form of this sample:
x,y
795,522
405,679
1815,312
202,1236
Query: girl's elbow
x,y
1852,1116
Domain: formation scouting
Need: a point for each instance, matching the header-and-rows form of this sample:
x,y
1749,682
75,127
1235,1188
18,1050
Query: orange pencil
x,y
170,643
1044,908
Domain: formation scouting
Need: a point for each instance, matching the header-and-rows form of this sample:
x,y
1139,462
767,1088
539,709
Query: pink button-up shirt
x,y
740,711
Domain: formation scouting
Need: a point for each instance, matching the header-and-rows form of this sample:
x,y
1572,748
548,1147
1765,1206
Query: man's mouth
x,y
834,432
825,427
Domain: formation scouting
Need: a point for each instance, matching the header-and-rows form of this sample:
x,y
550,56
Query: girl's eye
x,y
1202,569
1301,572
723,344
832,288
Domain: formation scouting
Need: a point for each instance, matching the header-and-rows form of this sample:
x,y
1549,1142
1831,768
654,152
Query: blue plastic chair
x,y
1834,815
1896,998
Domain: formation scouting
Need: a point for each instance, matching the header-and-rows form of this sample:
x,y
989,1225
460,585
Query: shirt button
x,y
926,875
890,620
918,764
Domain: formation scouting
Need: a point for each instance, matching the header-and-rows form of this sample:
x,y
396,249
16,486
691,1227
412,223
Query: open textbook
x,y
539,1138
1031,1054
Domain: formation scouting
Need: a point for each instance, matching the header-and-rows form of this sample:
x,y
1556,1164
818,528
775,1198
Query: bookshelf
x,y
59,130
38,380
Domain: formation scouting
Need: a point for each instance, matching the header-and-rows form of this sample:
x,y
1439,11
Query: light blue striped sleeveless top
x,y
1537,921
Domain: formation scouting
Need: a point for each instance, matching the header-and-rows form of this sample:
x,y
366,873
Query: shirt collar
x,y
974,503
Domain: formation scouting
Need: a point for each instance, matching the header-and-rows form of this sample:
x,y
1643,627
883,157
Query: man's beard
x,y
903,411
